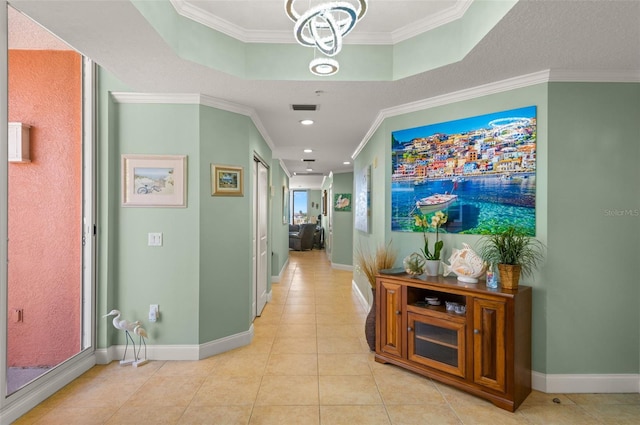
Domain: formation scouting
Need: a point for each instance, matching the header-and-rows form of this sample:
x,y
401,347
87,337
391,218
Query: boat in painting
x,y
435,202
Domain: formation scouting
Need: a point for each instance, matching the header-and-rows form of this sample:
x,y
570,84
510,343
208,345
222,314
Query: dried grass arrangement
x,y
371,263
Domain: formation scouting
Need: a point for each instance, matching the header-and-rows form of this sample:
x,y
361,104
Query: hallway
x,y
308,364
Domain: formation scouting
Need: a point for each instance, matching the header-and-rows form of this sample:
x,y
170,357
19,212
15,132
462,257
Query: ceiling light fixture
x,y
308,151
346,163
323,27
306,122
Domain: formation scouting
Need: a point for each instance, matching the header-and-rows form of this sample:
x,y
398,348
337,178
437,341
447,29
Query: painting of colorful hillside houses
x,y
481,171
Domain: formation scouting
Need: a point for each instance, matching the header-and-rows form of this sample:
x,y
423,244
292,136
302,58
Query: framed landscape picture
x,y
154,180
226,180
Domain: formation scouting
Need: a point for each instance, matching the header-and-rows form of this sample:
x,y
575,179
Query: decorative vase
x,y
413,264
432,267
370,324
509,275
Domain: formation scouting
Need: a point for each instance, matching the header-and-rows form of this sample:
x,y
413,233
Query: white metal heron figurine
x,y
127,327
142,333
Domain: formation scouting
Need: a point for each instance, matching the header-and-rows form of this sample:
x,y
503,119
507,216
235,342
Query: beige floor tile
x,y
556,414
32,416
303,345
242,364
351,415
299,318
166,391
281,415
474,414
98,393
343,345
227,390
343,364
615,414
288,391
77,416
185,368
339,331
410,390
293,330
218,415
537,398
419,415
160,415
348,390
292,364
454,395
299,309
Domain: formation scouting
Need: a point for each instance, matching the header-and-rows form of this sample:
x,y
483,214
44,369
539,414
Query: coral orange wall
x,y
45,209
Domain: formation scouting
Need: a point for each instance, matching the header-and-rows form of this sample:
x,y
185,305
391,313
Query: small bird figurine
x,y
126,326
142,333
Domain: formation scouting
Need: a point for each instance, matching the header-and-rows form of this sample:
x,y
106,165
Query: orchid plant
x,y
437,220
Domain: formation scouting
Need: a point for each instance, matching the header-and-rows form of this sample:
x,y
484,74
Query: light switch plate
x,y
155,239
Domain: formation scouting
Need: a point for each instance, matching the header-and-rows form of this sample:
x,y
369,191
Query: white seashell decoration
x,y
466,264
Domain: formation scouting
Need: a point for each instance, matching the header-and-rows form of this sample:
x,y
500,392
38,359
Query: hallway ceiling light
x,y
306,122
308,151
323,27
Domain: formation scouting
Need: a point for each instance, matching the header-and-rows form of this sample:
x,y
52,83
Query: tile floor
x,y
308,364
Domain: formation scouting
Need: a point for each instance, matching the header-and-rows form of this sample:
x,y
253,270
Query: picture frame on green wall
x,y
226,180
154,180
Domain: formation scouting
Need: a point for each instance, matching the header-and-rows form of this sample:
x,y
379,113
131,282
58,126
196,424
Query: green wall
x,y
202,275
594,228
587,206
279,223
342,230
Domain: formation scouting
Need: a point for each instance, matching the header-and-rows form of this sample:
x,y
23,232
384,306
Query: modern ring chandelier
x,y
323,27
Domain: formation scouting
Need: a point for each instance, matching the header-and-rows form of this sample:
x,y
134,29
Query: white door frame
x,y
260,236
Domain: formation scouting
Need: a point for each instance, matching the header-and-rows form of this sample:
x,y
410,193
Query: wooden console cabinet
x,y
485,351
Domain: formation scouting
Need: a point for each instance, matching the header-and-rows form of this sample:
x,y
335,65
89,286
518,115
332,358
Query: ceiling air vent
x,y
304,107
308,160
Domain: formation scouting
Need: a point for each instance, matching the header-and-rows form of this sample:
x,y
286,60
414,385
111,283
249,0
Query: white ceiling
x,y
599,37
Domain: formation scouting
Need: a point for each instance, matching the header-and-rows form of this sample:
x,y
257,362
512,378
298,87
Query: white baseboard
x,y
363,299
34,394
591,383
342,267
282,270
179,352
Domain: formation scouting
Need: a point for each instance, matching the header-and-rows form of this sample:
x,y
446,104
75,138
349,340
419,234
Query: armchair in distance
x,y
303,238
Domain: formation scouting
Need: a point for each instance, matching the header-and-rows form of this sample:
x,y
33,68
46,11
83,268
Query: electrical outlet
x,y
154,313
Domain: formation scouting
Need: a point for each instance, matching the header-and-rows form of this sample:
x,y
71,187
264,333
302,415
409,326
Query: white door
x,y
261,245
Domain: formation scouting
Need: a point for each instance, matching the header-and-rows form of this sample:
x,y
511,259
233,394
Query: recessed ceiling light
x,y
309,169
306,122
346,163
308,150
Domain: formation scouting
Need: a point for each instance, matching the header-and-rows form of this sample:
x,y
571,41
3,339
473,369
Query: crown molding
x,y
190,11
195,99
443,17
540,77
458,96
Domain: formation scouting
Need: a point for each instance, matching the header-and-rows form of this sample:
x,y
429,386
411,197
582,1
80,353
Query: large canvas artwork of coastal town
x,y
480,171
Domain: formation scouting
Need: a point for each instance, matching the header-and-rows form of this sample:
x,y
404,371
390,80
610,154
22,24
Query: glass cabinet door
x,y
437,343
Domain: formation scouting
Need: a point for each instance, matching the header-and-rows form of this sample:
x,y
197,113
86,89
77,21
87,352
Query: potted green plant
x,y
432,259
514,252
370,265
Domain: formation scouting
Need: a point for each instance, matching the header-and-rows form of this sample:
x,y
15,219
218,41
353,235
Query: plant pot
x,y
370,324
432,267
509,275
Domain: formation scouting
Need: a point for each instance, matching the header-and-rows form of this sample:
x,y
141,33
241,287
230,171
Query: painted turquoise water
x,y
485,204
